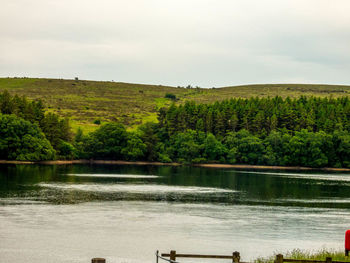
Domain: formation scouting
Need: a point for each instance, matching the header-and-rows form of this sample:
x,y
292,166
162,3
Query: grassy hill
x,y
86,102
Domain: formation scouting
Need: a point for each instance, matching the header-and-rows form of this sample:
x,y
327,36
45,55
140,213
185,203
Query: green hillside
x,y
90,102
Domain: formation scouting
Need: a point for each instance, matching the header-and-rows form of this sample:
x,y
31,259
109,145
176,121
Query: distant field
x,y
86,102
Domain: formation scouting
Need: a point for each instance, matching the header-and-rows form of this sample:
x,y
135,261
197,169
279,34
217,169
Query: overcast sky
x,y
178,42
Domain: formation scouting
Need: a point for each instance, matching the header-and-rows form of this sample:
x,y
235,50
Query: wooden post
x,y
235,257
173,255
98,260
328,260
279,258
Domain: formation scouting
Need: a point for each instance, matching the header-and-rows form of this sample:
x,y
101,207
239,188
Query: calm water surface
x,y
126,213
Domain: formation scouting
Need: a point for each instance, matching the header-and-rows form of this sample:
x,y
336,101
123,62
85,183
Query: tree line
x,y
310,132
259,116
27,132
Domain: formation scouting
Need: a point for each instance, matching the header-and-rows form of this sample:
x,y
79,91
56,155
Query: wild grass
x,y
86,101
321,254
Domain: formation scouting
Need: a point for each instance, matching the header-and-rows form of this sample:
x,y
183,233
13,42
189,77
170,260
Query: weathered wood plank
x,y
197,256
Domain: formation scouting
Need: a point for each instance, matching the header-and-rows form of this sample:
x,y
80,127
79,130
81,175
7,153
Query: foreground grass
x,y
86,102
336,255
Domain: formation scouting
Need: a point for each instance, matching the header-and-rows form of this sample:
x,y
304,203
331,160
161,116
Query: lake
x,y
125,213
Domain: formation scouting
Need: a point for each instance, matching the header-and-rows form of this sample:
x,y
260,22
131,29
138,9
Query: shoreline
x,y
205,165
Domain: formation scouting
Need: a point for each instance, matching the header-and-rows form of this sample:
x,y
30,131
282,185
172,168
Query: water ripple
x,y
126,176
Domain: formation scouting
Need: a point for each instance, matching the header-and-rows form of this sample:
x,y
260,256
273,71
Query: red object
x,y
347,240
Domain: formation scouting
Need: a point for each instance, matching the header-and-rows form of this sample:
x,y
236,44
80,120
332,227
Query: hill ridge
x,y
89,102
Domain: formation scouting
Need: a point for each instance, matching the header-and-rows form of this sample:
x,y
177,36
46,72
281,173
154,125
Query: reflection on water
x,y
126,213
135,188
134,176
83,183
314,176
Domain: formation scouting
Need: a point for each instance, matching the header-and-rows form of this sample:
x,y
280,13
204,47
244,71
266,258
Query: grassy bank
x,y
336,255
89,103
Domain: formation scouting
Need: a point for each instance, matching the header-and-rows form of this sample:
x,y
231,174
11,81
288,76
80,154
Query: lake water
x,y
126,213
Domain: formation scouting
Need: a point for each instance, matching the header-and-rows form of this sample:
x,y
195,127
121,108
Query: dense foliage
x,y
152,143
50,127
193,133
311,132
22,140
259,116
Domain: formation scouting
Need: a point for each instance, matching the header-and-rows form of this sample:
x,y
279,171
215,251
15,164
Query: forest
x,y
304,131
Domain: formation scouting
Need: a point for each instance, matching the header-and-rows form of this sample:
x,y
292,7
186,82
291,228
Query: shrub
x,y
170,96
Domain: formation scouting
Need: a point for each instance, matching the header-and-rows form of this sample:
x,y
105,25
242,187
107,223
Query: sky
x,y
206,43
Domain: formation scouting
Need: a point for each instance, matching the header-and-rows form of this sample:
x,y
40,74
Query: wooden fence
x,y
235,257
173,255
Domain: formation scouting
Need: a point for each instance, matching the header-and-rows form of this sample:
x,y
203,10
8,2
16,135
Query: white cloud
x,y
201,42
